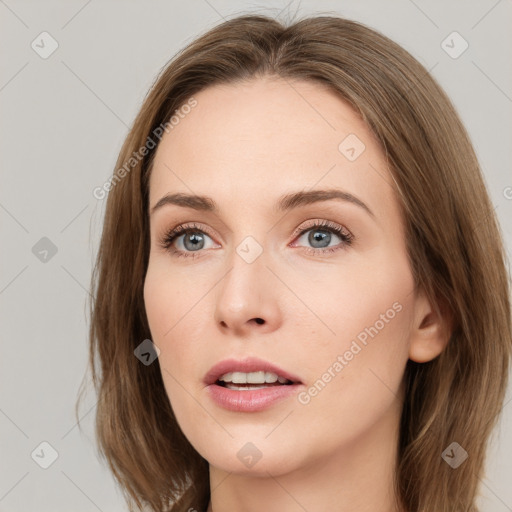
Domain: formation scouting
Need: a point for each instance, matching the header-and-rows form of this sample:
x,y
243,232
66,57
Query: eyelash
x,y
168,238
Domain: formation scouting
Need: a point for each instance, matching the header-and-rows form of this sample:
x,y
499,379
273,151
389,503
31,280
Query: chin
x,y
259,469
256,458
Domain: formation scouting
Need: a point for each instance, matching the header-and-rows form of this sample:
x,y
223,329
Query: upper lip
x,y
252,364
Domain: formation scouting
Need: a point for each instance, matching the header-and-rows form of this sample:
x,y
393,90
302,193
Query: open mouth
x,y
249,385
241,381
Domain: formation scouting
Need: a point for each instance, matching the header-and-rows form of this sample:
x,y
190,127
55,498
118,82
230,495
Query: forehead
x,y
266,115
269,134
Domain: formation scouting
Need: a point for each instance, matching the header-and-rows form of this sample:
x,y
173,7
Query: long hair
x,y
453,240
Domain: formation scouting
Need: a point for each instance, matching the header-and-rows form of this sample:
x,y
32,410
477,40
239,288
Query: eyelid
x,y
183,228
322,223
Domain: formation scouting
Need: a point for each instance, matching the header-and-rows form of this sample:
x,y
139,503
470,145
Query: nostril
x,y
260,321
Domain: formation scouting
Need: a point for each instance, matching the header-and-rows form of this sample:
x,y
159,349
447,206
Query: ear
x,y
431,330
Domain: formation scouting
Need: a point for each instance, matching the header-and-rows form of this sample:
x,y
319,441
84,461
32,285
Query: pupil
x,y
195,240
314,239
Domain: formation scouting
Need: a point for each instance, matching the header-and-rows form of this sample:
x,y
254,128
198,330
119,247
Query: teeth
x,y
227,377
270,377
256,378
238,378
260,377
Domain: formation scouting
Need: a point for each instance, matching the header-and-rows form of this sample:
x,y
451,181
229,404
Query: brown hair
x,y
454,245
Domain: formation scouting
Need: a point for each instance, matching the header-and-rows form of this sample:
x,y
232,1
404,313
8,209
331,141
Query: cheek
x,y
356,377
370,312
167,313
160,305
170,300
173,307
351,301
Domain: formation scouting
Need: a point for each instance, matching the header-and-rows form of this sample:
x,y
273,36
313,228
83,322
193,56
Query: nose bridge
x,y
241,285
245,292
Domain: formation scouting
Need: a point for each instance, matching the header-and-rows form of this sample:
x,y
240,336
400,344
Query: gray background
x,y
62,124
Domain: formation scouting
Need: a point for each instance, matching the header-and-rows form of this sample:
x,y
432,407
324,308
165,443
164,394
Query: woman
x,y
301,300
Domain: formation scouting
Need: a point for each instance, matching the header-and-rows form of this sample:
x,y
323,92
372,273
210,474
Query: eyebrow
x,y
285,203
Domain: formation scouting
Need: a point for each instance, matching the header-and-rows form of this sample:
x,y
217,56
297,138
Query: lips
x,y
247,366
244,397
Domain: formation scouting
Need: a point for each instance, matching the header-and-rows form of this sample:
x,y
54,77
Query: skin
x,y
245,145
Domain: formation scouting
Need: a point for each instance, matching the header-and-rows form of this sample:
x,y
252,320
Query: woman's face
x,y
317,289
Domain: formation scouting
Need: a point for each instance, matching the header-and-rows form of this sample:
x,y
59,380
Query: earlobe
x,y
430,333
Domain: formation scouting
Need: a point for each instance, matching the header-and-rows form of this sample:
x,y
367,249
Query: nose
x,y
247,299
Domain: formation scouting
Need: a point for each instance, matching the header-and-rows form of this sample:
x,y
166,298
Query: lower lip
x,y
250,400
